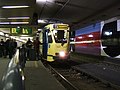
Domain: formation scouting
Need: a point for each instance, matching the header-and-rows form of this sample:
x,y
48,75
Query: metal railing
x,y
13,78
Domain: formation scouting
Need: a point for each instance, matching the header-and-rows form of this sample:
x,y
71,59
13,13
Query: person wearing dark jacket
x,y
36,45
2,47
22,56
28,46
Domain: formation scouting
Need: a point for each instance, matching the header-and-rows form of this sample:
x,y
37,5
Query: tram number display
x,y
23,30
62,27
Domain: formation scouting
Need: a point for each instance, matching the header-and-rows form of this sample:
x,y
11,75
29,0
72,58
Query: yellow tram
x,y
55,42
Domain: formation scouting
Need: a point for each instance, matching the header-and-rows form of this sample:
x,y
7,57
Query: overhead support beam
x,y
15,25
63,6
96,16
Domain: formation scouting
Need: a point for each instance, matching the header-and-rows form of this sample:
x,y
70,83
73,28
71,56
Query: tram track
x,y
68,85
78,79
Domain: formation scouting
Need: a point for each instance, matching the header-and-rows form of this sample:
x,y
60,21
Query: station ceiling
x,y
77,13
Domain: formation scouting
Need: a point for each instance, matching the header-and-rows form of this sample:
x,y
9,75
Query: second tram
x,y
101,39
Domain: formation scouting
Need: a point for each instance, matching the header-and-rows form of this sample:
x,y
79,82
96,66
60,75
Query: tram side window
x,y
49,37
110,33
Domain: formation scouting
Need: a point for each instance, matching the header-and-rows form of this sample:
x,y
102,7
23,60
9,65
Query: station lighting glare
x,y
18,26
54,32
62,54
108,33
90,35
80,37
10,7
6,35
23,37
1,33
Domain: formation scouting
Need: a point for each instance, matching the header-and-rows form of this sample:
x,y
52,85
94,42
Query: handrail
x,y
13,78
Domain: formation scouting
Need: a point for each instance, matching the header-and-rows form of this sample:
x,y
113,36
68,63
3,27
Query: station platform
x,y
38,78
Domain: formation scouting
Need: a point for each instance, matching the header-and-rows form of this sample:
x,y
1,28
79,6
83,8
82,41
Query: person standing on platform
x,y
2,46
22,56
11,48
28,46
36,45
15,45
7,47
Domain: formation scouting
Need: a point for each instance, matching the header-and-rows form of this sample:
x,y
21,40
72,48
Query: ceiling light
x,y
19,18
19,22
41,0
24,35
24,6
4,23
41,21
3,18
14,22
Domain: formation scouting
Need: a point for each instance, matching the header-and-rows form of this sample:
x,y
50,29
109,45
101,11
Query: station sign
x,y
26,30
15,31
22,30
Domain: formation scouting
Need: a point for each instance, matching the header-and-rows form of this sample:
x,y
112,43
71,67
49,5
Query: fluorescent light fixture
x,y
18,17
41,0
4,23
3,18
41,21
14,22
19,22
9,7
24,35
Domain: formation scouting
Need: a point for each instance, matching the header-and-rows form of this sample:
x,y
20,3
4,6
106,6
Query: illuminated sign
x,y
15,31
62,27
23,30
26,30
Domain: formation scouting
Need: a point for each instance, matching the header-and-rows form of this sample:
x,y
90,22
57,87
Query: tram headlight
x,y
62,54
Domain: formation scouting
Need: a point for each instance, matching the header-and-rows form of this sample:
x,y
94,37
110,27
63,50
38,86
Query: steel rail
x,y
63,78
